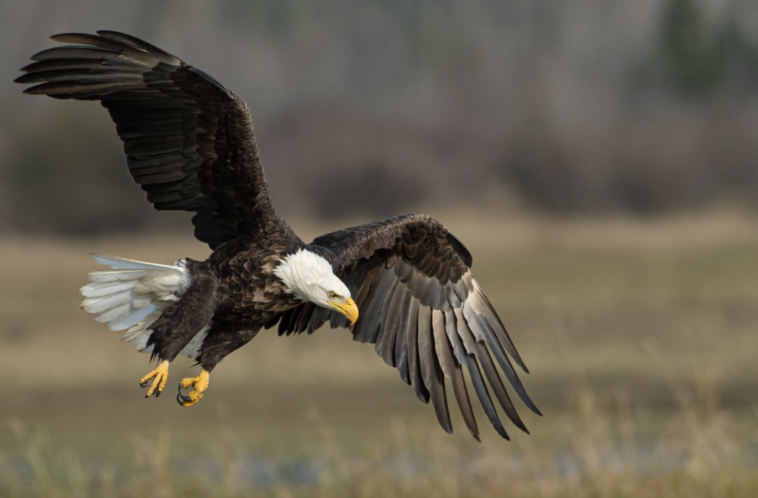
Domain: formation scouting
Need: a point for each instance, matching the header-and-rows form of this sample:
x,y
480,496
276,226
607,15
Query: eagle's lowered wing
x,y
422,308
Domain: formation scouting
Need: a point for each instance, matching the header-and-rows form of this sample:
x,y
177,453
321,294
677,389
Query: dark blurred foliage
x,y
691,59
71,181
710,70
372,190
73,189
271,16
375,107
646,173
697,58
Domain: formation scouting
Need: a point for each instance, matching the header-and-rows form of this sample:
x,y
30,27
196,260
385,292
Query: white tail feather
x,y
131,320
109,276
133,295
128,264
95,289
107,302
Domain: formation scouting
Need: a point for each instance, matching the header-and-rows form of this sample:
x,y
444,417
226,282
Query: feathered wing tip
x,y
133,294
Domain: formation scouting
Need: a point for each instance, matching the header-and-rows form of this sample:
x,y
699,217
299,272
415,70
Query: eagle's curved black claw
x,y
143,384
181,398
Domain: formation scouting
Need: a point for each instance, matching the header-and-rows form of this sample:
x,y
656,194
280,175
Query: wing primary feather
x,y
443,353
383,317
456,333
464,403
368,325
154,51
366,295
509,371
430,370
440,407
351,279
497,386
414,367
75,75
296,313
484,397
451,329
451,368
272,321
318,317
484,334
305,317
73,52
401,348
65,64
285,322
333,320
496,325
464,333
392,323
85,39
365,288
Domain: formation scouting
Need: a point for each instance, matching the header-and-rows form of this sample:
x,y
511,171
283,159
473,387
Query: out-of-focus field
x,y
641,337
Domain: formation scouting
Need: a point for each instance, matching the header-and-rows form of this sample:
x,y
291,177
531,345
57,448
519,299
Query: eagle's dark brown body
x,y
248,290
190,145
237,289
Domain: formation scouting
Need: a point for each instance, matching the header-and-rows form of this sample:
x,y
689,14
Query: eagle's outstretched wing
x,y
189,140
421,307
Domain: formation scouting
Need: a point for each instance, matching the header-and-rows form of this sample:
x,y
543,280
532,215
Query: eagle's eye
x,y
332,294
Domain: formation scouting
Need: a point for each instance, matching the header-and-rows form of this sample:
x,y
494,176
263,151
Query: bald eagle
x,y
190,145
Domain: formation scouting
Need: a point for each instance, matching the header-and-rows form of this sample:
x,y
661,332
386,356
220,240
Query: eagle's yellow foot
x,y
159,376
199,385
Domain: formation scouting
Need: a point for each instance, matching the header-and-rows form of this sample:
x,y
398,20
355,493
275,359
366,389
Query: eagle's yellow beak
x,y
349,309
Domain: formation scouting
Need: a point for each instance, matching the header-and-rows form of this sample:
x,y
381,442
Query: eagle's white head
x,y
310,278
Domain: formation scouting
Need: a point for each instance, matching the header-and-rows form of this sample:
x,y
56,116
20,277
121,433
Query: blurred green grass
x,y
640,337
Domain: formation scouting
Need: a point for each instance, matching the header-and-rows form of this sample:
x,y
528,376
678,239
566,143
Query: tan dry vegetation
x,y
640,336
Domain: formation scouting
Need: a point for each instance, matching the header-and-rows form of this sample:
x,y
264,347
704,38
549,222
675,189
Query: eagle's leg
x,y
159,375
199,384
178,324
222,339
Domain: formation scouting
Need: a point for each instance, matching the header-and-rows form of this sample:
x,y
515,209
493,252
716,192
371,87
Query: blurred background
x,y
598,158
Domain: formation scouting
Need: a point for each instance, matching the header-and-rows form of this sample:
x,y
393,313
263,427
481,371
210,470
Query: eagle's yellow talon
x,y
159,376
199,385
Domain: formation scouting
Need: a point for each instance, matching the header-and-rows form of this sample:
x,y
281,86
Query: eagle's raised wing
x,y
189,140
424,312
